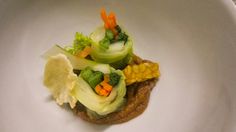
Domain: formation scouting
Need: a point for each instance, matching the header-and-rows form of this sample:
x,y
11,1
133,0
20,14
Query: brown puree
x,y
137,100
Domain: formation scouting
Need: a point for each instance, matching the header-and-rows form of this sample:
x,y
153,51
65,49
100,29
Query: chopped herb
x,y
118,29
122,36
114,79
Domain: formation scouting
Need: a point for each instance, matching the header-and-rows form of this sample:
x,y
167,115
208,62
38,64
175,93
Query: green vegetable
x,y
106,41
111,55
104,44
122,36
109,34
80,42
114,79
95,79
87,73
82,91
76,62
100,104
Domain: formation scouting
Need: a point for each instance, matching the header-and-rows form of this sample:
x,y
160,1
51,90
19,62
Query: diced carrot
x,y
98,88
106,94
85,52
103,83
103,92
106,86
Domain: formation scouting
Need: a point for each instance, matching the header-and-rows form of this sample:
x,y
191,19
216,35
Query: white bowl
x,y
194,42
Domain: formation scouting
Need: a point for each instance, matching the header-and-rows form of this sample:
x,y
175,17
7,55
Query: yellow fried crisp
x,y
60,79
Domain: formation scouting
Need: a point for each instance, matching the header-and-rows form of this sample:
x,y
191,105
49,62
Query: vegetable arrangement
x,y
81,46
113,32
96,70
112,45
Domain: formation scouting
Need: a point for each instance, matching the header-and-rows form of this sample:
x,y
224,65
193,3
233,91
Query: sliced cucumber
x,y
115,52
110,57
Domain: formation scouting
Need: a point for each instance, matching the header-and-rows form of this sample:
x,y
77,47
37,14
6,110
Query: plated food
x,y
99,76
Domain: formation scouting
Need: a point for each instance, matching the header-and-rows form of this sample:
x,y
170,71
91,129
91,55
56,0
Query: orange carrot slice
x,y
111,23
103,92
112,17
106,86
85,52
104,17
98,88
112,26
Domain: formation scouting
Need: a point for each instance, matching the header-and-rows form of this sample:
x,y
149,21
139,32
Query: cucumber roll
x,y
111,44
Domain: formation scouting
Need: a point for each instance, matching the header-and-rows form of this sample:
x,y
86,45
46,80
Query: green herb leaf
x,y
122,36
114,79
118,29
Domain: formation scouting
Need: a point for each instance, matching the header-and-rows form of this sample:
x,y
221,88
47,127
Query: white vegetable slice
x,y
76,62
